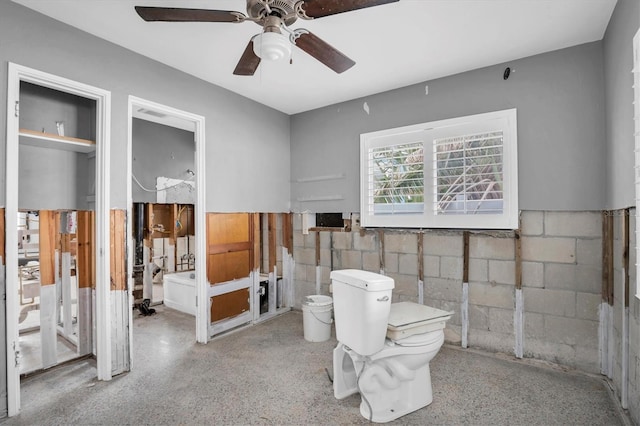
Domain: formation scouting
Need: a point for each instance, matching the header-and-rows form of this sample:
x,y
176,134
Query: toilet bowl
x,y
396,380
383,349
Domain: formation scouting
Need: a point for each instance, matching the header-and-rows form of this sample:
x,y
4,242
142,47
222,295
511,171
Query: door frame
x,y
16,74
202,314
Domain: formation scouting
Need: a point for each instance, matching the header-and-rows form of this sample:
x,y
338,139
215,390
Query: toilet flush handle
x,y
383,299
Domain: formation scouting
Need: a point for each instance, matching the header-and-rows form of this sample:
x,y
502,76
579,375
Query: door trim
x,y
202,315
16,74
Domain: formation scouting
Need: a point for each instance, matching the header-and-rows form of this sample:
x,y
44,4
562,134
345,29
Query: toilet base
x,y
389,405
391,386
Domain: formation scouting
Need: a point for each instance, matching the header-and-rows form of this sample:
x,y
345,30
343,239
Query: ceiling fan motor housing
x,y
281,8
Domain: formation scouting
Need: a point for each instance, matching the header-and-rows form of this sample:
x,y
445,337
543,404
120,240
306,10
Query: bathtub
x,y
180,291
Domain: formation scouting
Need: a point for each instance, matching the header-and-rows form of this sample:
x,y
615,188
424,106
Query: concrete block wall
x,y
562,286
561,279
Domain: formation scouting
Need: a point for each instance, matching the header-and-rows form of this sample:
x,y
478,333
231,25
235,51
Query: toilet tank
x,y
361,305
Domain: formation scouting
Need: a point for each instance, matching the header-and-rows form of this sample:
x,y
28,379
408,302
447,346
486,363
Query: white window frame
x,y
426,133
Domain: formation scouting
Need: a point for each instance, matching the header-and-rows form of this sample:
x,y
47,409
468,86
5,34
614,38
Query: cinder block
x,y
325,276
587,359
532,223
478,317
408,264
311,274
300,272
442,289
451,267
587,306
391,263
304,256
533,326
351,259
571,331
443,245
589,251
405,285
325,257
502,271
533,274
559,250
371,261
325,240
501,320
492,341
573,224
431,266
558,353
342,240
298,240
400,243
560,276
366,242
589,278
478,270
485,247
310,240
497,296
553,302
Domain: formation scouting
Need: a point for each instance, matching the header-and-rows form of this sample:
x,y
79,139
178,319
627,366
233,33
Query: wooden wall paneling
x,y
287,231
229,304
85,271
230,246
231,254
255,233
272,229
47,234
118,251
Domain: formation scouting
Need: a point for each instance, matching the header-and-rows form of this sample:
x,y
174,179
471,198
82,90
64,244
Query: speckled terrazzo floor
x,y
268,374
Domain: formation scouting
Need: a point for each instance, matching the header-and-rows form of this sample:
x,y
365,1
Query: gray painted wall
x,y
618,62
560,101
53,179
159,151
247,143
41,108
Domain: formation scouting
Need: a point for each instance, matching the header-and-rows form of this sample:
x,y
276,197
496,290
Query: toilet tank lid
x,y
409,314
369,281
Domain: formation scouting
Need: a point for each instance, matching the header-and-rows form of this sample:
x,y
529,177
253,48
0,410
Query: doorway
x,y
184,181
49,151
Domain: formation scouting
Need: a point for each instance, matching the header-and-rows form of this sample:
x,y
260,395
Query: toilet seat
x,y
408,319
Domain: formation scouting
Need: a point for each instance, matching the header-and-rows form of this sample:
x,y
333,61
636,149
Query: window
x,y
456,173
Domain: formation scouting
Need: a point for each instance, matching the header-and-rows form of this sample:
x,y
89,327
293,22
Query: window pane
x,y
396,174
469,174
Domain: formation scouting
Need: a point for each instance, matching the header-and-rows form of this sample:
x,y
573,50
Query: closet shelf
x,y
49,140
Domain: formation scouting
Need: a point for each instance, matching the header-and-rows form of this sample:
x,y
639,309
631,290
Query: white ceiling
x,y
393,45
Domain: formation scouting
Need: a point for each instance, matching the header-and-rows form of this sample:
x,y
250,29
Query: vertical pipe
x,y
464,310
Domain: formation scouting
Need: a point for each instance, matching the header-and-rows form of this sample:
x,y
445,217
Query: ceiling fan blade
x,y
320,8
172,14
324,52
248,63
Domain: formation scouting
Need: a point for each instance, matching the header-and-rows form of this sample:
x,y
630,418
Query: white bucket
x,y
316,318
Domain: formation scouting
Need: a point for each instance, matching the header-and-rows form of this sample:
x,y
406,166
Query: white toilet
x,y
384,348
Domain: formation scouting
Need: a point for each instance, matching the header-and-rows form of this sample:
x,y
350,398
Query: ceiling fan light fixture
x,y
272,46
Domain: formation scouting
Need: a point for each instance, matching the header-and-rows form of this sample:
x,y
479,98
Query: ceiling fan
x,y
276,38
